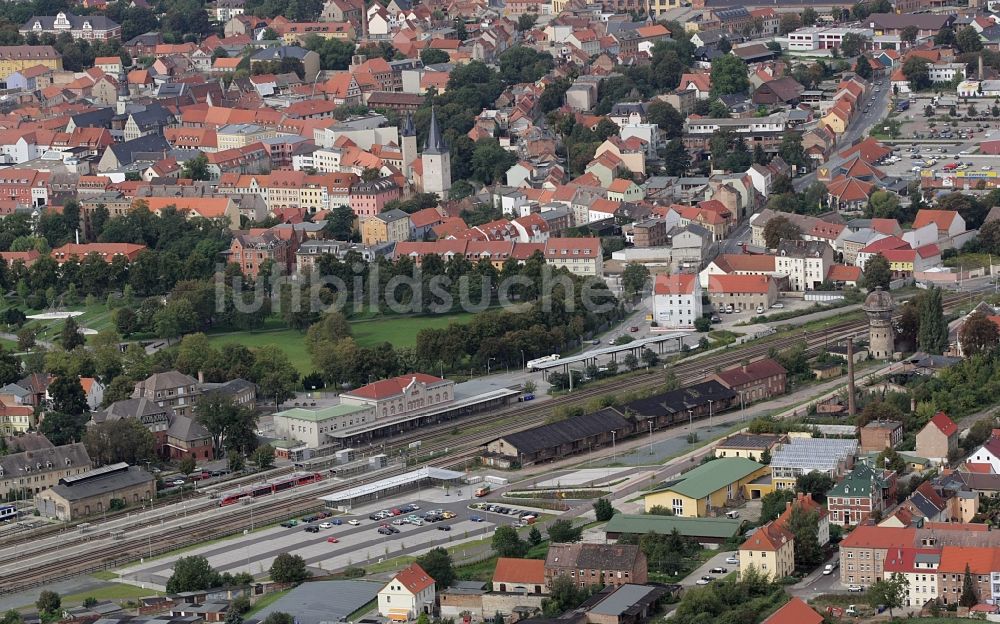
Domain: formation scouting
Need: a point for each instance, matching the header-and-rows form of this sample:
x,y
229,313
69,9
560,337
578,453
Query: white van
x,y
732,514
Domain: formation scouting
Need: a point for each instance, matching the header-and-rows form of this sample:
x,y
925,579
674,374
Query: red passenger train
x,y
269,487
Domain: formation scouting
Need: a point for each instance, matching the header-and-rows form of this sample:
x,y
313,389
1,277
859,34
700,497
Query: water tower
x,y
878,306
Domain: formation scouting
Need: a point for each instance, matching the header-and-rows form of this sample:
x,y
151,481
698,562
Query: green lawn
x,y
290,341
111,591
400,331
265,601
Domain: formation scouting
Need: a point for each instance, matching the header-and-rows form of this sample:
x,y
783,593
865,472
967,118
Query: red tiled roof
x,y
739,283
955,559
941,218
843,273
769,537
392,387
870,536
676,284
944,424
740,375
528,571
795,611
414,578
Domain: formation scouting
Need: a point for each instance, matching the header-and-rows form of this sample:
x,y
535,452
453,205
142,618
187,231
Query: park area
x,y
399,331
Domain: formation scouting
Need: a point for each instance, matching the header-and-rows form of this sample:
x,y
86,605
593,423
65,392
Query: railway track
x,y
462,449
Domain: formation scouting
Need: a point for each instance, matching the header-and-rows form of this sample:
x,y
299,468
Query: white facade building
x,y
677,300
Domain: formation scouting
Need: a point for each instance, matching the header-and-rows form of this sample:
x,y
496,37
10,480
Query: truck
x,y
483,491
533,364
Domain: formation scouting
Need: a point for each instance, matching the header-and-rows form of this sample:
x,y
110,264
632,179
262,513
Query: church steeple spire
x,y
435,142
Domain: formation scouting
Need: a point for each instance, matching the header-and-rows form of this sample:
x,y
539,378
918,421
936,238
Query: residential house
x,y
410,593
938,438
520,576
742,292
864,493
677,300
391,226
596,564
770,551
806,263
879,435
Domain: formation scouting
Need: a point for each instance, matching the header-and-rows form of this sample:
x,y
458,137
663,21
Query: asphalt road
x,y
855,131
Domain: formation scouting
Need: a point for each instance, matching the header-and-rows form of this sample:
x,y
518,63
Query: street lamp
x,y
690,420
613,446
743,414
522,359
650,437
710,401
488,365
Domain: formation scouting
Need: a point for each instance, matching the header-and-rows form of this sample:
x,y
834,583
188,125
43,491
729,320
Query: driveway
x,y
717,561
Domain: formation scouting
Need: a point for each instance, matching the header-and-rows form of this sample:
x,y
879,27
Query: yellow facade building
x,y
17,58
770,550
709,488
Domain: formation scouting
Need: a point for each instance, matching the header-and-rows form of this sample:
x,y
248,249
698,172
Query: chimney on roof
x,y
201,377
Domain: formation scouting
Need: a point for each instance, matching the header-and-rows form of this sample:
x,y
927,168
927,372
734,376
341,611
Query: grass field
x,y
112,591
398,331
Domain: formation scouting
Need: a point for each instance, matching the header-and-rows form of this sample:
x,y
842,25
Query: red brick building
x,y
881,434
251,250
756,381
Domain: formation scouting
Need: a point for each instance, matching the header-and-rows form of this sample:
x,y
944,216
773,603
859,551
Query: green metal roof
x,y
713,476
322,414
862,481
720,528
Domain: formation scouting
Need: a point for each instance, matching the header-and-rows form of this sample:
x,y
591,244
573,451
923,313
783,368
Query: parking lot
x,y
337,542
723,563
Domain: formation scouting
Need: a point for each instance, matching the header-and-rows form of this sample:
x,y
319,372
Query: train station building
x,y
428,476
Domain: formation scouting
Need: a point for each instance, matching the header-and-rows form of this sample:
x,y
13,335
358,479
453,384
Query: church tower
x,y
409,146
436,161
123,93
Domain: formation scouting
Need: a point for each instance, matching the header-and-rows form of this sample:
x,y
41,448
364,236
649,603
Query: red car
x,y
332,540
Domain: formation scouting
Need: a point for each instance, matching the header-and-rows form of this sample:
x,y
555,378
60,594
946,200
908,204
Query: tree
x,y
225,420
196,168
288,568
48,602
773,504
877,273
883,205
563,596
263,456
778,229
804,525
933,334
67,395
863,67
274,374
968,40
62,428
631,361
945,37
791,150
852,44
969,596
916,71
507,543
676,159
878,410
10,365
890,592
526,21
667,118
123,440
634,278
909,34
192,574
187,465
277,617
891,460
534,536
433,56
437,564
603,510
729,75
70,336
788,23
563,531
809,16
815,483
978,335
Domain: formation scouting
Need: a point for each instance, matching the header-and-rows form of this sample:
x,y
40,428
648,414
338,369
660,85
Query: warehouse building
x,y
104,489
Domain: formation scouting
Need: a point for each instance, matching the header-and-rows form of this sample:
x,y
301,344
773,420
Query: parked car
x,y
716,318
312,529
719,570
705,580
288,525
444,527
326,525
354,522
476,519
633,329
777,306
332,540
732,560
337,521
855,588
595,341
760,309
829,568
384,531
177,482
